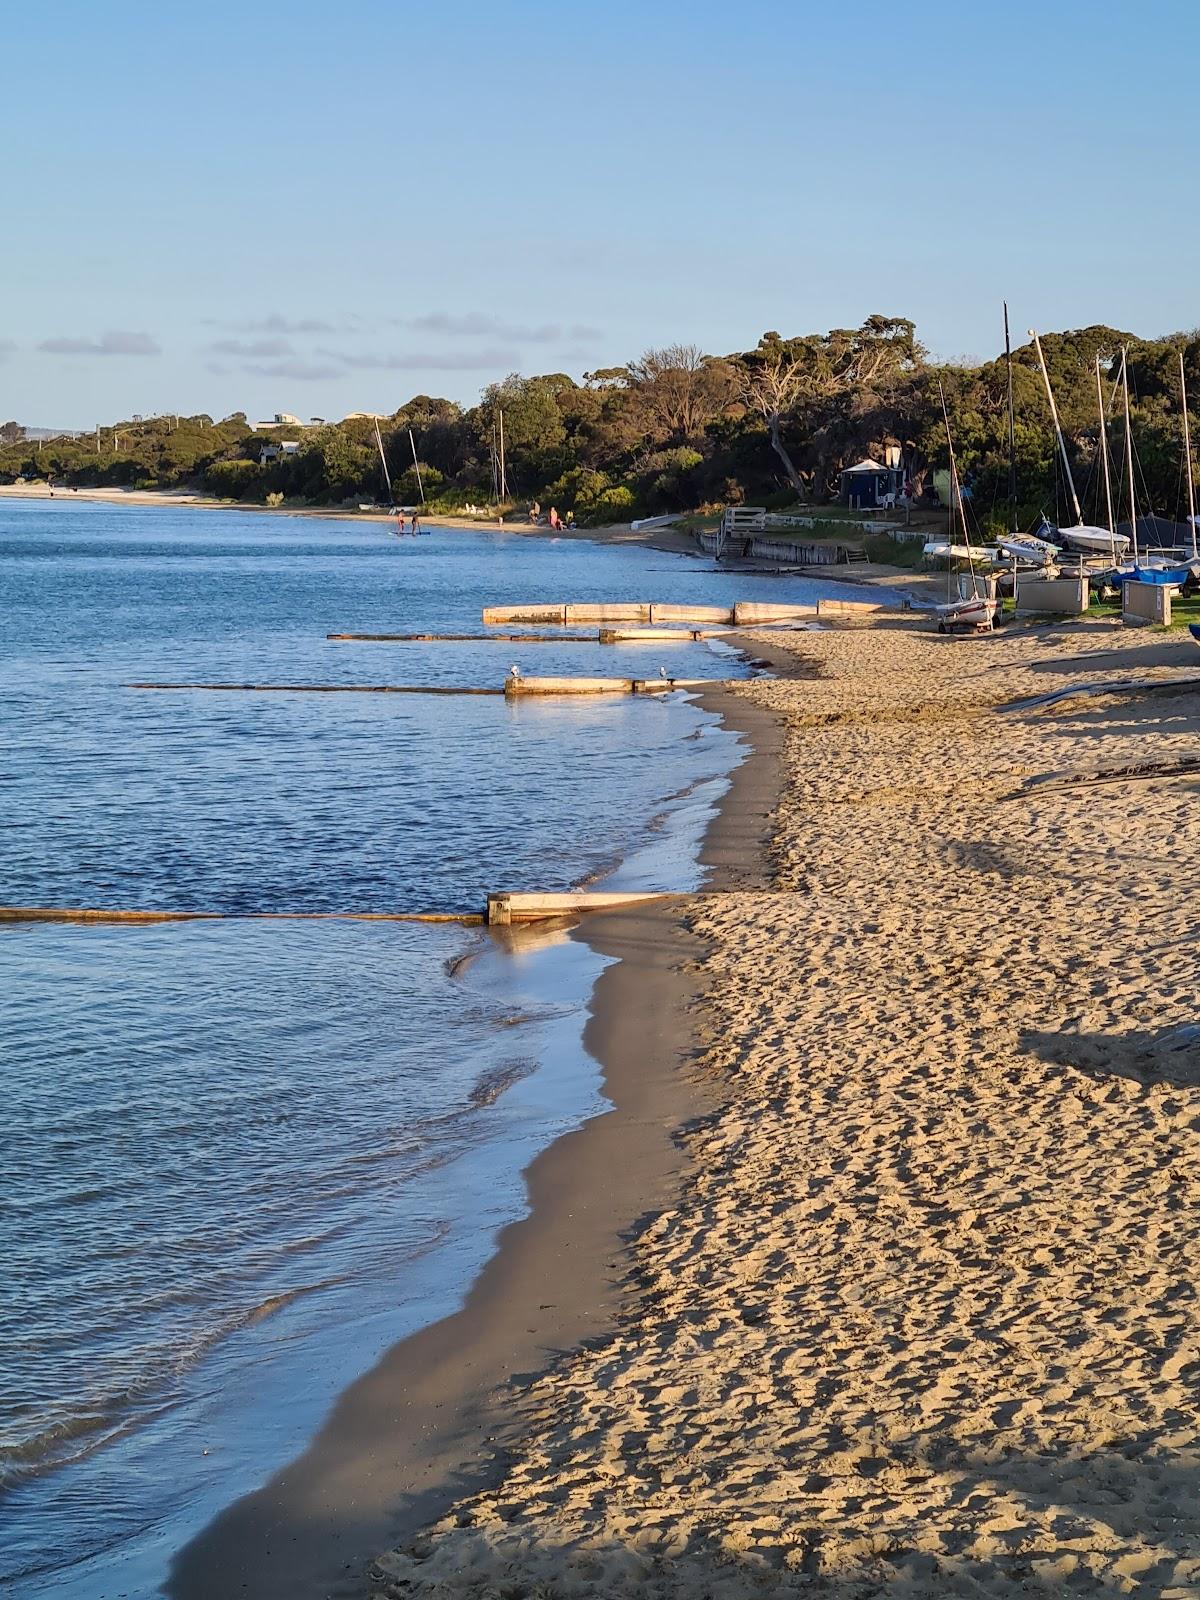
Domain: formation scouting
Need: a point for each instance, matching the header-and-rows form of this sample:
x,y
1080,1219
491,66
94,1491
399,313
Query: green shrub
x,y
611,505
233,480
407,490
783,500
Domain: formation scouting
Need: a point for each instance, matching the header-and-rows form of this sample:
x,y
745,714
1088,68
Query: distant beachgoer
x,y
399,522
555,520
535,512
416,525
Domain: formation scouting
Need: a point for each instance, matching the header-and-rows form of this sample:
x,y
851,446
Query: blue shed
x,y
867,483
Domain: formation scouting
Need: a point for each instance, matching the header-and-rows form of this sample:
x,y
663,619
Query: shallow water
x,y
242,1158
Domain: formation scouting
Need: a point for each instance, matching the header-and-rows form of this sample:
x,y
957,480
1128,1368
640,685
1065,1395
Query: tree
x,y
771,380
680,390
11,433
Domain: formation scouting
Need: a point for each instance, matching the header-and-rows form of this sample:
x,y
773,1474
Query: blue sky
x,y
319,208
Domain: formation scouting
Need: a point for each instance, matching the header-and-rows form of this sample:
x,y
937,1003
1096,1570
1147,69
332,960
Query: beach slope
x,y
921,1316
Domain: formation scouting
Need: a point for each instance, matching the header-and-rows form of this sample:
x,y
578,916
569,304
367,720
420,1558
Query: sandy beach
x,y
918,1313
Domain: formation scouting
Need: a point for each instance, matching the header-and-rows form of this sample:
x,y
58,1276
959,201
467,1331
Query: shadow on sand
x,y
989,1518
1154,1058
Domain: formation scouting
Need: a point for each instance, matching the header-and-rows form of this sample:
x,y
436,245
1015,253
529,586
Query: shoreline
x,y
432,1421
666,540
920,1320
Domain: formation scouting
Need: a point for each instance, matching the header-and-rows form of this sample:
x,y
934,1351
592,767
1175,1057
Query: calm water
x,y
240,1159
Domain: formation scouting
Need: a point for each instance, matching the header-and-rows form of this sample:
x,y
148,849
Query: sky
x,y
319,208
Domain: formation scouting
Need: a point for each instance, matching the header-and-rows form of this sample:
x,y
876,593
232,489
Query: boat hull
x,y
977,613
1095,541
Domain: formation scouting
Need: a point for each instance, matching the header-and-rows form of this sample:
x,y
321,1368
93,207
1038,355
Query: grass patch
x,y
1183,611
906,553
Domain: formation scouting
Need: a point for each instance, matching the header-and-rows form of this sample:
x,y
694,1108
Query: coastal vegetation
x,y
678,429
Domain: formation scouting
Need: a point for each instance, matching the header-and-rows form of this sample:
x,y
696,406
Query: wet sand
x,y
919,1315
438,1417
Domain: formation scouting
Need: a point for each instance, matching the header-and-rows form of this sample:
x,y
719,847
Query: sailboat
x,y
1016,546
1167,573
1029,547
978,609
1082,536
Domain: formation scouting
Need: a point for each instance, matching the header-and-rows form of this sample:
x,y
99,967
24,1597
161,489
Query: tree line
x,y
678,429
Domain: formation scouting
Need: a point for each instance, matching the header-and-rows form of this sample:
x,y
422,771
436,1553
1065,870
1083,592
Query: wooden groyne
x,y
849,608
648,613
316,688
469,638
666,685
92,914
501,910
504,909
629,635
748,612
657,635
517,685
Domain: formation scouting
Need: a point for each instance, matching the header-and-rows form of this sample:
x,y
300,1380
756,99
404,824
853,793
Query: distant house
x,y
870,483
272,452
285,419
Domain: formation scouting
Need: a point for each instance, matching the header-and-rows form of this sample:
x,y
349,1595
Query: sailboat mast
x,y
956,491
387,477
1129,451
412,444
503,476
1108,506
1062,447
1187,451
1012,432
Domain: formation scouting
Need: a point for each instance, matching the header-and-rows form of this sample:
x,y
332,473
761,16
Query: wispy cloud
x,y
275,323
252,349
481,325
7,346
114,343
299,369
462,360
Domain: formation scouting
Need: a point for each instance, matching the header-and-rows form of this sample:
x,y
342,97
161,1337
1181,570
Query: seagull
x,y
662,672
514,671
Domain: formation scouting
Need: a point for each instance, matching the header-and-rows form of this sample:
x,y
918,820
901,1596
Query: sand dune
x,y
923,1319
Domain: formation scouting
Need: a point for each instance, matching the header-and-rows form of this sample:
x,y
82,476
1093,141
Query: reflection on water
x,y
242,1158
